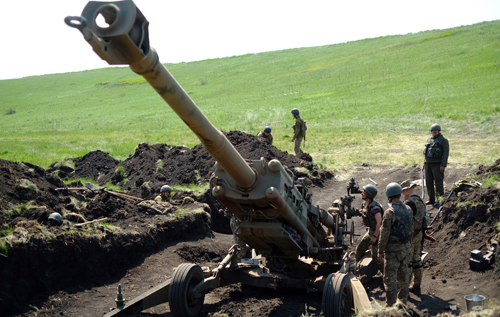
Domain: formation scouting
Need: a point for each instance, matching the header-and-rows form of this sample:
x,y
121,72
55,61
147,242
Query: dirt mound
x,y
23,183
467,222
150,166
68,254
92,165
486,171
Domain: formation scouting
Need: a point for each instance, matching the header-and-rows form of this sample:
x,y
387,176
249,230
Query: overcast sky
x,y
36,41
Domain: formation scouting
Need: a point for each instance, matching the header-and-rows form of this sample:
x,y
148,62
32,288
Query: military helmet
x,y
435,126
165,188
295,111
55,218
370,190
393,189
267,129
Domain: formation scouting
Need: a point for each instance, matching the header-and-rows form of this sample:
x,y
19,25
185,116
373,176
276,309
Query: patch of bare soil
x,y
74,269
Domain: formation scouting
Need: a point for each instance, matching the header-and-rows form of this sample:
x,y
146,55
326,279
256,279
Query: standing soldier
x,y
298,131
372,218
419,224
165,194
436,154
394,245
266,135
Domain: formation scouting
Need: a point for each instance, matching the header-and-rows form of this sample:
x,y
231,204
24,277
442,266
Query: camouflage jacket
x,y
263,136
437,150
297,128
368,214
397,229
419,216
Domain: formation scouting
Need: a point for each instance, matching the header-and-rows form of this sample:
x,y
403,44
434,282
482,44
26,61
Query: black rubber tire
x,y
337,296
180,299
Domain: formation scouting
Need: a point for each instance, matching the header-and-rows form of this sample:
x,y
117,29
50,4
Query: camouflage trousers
x,y
234,223
297,149
396,272
416,265
364,245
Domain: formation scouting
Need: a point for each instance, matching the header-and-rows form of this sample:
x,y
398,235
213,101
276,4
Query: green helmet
x,y
165,188
435,126
55,218
393,189
295,111
370,190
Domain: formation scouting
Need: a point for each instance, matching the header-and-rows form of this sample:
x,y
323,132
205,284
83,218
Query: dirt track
x,y
77,275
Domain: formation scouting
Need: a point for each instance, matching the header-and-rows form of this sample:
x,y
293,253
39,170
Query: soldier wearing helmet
x,y
372,218
165,194
419,224
265,135
298,131
394,245
436,154
55,219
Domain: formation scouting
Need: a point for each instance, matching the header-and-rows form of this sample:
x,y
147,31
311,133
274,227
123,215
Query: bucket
x,y
474,302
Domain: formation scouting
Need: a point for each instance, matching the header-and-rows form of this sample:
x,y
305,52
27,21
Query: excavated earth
x,y
74,269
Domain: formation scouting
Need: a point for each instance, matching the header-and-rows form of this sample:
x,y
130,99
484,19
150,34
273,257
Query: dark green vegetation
x,y
365,101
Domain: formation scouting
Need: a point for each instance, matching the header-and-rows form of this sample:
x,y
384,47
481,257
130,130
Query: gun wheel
x,y
183,301
337,296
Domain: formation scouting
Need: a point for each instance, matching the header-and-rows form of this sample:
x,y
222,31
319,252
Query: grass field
x,y
372,100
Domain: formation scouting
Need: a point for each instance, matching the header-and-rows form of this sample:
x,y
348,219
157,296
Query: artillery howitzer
x,y
296,244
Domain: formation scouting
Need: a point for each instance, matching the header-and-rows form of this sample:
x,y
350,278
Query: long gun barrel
x,y
126,41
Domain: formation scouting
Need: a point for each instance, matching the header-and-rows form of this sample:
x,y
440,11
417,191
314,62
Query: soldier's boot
x,y
417,280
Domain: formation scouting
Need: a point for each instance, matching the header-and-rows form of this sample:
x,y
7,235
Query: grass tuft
x,y
490,181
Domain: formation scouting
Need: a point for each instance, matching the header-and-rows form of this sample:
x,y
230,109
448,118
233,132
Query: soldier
x,y
394,245
372,218
419,224
436,154
298,131
266,135
165,194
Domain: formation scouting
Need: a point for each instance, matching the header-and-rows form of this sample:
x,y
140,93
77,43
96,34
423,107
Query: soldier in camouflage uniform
x,y
419,224
372,218
436,154
266,135
298,133
165,194
235,223
394,245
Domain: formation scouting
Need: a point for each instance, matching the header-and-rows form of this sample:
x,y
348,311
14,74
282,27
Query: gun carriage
x,y
294,243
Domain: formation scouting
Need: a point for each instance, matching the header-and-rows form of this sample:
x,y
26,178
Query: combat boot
x,y
415,289
431,201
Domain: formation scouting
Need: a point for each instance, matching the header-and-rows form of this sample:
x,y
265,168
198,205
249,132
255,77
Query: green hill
x,y
372,100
